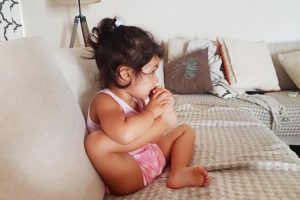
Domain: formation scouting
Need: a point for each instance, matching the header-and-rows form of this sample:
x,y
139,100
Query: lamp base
x,y
84,29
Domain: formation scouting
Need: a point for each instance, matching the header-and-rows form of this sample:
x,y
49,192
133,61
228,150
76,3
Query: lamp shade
x,y
76,1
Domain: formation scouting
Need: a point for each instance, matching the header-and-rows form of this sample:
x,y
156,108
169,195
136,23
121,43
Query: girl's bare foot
x,y
195,176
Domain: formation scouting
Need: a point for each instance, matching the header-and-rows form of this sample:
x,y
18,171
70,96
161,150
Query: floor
x,y
296,148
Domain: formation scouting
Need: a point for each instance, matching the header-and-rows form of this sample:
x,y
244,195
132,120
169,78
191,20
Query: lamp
x,y
81,18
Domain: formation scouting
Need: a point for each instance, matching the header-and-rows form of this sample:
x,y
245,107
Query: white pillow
x,y
252,65
176,48
291,64
42,129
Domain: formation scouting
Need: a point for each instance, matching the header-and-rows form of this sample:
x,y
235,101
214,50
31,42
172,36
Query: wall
x,y
270,20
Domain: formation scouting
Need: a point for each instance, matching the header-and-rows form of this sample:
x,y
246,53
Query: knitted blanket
x,y
244,158
276,109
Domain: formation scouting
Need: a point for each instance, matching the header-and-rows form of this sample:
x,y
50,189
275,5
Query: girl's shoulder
x,y
102,99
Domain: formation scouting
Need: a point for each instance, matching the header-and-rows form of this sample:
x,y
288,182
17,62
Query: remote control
x,y
255,92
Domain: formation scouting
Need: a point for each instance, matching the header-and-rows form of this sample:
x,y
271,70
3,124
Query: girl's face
x,y
146,81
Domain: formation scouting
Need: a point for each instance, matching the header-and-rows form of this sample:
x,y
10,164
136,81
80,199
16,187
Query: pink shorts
x,y
150,160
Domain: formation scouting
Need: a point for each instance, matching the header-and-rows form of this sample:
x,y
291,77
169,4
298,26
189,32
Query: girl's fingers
x,y
165,102
156,93
159,95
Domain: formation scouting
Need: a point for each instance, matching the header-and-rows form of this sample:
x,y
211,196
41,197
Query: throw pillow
x,y
176,48
189,74
229,74
179,46
291,64
252,66
285,82
220,88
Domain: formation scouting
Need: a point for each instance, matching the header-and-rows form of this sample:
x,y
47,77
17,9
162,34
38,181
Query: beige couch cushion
x,y
80,73
41,129
285,81
291,64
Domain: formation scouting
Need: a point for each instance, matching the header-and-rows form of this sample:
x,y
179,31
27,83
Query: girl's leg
x,y
119,171
178,148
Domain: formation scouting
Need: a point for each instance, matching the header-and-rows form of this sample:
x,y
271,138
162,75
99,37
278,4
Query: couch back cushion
x,y
42,129
81,73
284,79
178,45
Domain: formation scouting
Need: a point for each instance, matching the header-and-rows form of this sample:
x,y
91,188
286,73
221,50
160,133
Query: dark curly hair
x,y
114,45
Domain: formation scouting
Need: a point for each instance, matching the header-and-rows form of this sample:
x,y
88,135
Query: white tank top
x,y
127,110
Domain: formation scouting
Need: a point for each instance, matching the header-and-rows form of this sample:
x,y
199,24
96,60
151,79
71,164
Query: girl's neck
x,y
124,95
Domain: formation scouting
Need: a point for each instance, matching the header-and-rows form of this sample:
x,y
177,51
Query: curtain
x,y
10,20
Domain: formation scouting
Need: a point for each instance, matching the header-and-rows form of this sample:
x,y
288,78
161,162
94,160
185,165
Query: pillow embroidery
x,y
190,68
189,74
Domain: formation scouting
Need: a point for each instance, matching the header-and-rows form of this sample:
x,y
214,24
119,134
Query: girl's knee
x,y
188,130
94,145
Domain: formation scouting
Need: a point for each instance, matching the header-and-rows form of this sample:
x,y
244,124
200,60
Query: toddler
x,y
130,142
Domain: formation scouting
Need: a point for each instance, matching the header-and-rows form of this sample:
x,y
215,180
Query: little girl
x,y
130,142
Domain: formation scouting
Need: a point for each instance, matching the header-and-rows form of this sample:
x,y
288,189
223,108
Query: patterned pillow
x,y
189,73
220,88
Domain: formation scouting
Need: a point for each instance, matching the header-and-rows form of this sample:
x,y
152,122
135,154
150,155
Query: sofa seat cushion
x,y
42,129
236,150
288,125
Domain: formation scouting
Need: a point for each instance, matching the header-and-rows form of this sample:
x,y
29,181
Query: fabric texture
x,y
176,48
220,88
243,157
277,110
180,46
150,160
250,62
291,64
42,129
229,74
80,73
189,74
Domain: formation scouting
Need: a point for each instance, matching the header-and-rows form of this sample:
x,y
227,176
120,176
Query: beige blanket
x,y
244,158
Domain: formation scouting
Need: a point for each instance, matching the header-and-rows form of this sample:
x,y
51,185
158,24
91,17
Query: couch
x,y
45,95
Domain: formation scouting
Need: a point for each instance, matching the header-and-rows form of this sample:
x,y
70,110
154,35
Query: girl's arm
x,y
123,129
99,138
168,114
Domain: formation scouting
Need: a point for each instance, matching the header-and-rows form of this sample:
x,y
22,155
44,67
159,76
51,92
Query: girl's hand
x,y
159,100
166,94
168,115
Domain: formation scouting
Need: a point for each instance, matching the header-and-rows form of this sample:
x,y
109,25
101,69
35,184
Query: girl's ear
x,y
124,74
